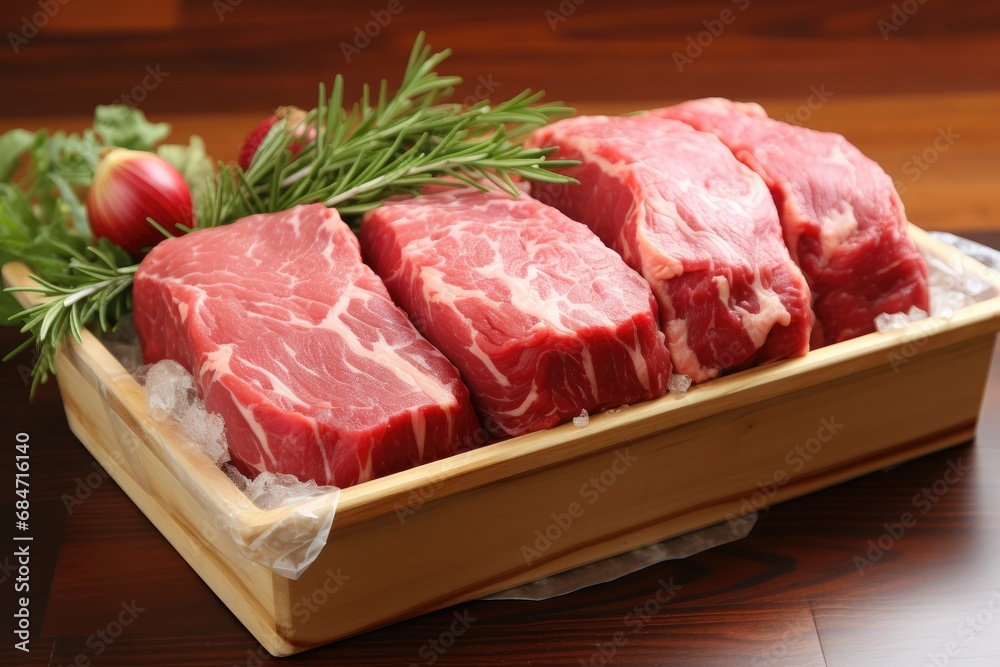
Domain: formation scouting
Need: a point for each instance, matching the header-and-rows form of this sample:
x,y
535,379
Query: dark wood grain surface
x,y
107,589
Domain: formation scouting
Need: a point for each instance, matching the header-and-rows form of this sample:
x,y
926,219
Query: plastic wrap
x,y
619,566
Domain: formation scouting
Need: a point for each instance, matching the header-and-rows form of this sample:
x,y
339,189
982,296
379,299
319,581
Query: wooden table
x,y
825,579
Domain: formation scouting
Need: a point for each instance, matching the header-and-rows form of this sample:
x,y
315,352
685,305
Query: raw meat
x,y
698,225
540,317
298,346
843,221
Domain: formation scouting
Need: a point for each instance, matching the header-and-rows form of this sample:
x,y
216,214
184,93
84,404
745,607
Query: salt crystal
x,y
582,420
678,384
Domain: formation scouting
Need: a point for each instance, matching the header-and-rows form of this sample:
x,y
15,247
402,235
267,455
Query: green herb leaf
x,y
97,286
43,223
126,127
13,146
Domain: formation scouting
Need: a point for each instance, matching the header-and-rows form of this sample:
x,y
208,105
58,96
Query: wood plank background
x,y
892,76
250,55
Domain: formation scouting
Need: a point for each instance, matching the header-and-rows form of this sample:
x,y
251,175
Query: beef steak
x,y
843,221
698,225
540,317
297,344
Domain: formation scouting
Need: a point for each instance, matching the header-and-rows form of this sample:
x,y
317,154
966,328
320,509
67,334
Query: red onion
x,y
302,134
131,186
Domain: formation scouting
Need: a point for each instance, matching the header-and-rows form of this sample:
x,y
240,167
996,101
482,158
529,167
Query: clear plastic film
x,y
619,566
275,520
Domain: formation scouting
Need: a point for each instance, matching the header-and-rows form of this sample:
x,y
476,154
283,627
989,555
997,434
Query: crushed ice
x,y
951,286
171,395
582,419
985,255
678,384
270,490
889,321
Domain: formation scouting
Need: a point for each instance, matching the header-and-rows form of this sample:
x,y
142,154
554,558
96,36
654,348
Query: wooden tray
x,y
515,511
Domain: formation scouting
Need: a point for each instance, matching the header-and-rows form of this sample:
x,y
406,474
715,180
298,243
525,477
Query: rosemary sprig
x,y
95,288
385,145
